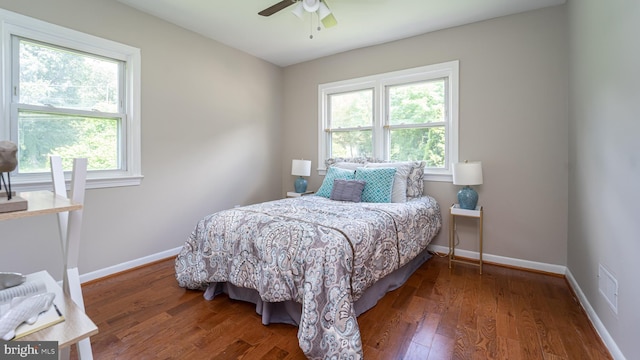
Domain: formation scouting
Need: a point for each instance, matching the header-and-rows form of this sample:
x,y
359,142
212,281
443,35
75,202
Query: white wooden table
x,y
77,327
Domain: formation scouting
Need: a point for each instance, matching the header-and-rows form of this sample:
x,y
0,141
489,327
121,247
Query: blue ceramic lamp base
x,y
301,185
467,198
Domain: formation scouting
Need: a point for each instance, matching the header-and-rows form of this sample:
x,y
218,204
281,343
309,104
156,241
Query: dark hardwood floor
x,y
438,314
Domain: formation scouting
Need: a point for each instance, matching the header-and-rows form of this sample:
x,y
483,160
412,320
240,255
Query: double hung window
x,y
72,95
400,116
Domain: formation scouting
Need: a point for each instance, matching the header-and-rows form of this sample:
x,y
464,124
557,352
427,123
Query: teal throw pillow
x,y
378,184
332,174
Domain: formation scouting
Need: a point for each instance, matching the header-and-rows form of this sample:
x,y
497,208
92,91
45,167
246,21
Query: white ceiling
x,y
283,39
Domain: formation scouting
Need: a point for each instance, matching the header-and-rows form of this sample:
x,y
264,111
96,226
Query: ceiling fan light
x,y
329,21
323,11
298,10
311,5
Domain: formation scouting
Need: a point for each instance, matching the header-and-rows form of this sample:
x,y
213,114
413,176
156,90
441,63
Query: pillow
x,y
347,165
378,183
400,179
332,174
415,181
347,190
332,161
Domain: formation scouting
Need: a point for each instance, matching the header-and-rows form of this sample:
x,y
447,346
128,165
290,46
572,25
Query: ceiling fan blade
x,y
276,7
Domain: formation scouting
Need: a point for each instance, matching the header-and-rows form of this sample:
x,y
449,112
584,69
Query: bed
x,y
314,261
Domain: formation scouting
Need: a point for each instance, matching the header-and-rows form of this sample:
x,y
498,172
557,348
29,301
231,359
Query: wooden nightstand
x,y
292,194
455,211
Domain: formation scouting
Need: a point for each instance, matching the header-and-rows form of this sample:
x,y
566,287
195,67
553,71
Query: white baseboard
x,y
128,265
595,320
502,260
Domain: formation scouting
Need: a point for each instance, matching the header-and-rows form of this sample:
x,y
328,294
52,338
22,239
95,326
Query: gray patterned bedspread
x,y
312,250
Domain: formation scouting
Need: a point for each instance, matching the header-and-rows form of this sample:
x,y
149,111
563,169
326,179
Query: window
x,y
73,95
399,116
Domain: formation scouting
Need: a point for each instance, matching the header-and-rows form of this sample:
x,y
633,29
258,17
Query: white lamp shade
x,y
323,11
311,5
467,173
298,10
301,167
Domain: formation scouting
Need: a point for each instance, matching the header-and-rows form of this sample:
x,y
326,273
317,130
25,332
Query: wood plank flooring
x,y
437,314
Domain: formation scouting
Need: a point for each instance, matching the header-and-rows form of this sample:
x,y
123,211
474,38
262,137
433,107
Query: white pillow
x,y
348,165
399,191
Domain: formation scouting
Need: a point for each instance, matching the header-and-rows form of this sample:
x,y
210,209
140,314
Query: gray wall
x,y
210,140
513,117
604,198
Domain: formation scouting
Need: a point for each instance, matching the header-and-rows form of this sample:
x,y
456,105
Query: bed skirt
x,y
289,312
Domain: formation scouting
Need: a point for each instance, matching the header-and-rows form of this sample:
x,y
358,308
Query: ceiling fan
x,y
311,6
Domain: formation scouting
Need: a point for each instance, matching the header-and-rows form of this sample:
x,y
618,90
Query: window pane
x,y
417,103
352,109
351,143
41,135
419,144
61,78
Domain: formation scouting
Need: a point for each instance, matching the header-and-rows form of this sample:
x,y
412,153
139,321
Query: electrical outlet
x,y
608,286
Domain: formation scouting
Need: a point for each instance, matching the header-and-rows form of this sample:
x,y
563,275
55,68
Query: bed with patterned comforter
x,y
317,252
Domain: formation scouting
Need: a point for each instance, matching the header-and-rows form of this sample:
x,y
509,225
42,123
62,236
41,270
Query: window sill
x,y
92,183
438,177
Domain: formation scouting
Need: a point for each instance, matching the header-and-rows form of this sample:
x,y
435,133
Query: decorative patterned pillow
x,y
379,183
400,179
415,181
347,190
360,160
332,174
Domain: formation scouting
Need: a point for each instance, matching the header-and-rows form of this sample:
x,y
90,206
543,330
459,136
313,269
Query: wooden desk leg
x,y
70,225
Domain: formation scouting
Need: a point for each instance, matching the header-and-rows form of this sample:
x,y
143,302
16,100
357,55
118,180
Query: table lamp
x,y
467,173
301,168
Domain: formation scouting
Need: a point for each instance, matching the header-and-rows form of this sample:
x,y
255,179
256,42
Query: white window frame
x,y
26,27
379,83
